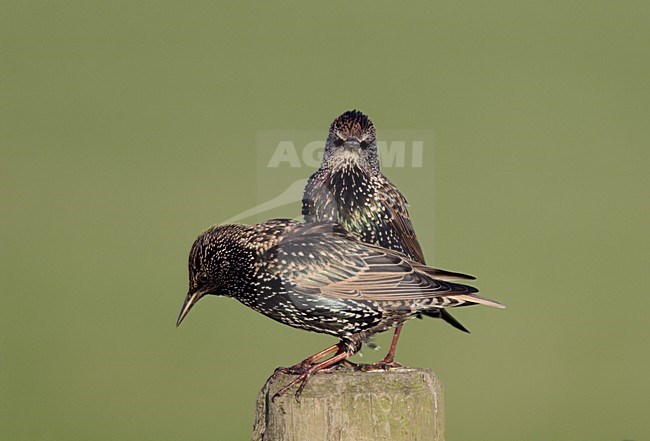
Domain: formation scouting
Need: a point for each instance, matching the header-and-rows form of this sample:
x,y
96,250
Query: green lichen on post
x,y
400,404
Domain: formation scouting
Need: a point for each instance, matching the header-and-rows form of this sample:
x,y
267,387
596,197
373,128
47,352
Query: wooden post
x,y
399,404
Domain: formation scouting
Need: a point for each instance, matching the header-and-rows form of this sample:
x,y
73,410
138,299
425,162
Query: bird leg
x,y
304,376
318,355
389,360
301,367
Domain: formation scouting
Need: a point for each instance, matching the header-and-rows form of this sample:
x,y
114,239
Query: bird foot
x,y
302,379
296,369
300,368
305,370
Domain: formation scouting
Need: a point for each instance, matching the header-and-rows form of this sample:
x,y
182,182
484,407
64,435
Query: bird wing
x,y
379,218
395,205
392,214
318,205
324,260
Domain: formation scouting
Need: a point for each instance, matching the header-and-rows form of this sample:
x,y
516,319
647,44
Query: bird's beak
x,y
190,300
352,144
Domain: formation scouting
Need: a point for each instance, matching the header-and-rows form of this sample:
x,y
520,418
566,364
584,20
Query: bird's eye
x,y
203,278
338,142
363,144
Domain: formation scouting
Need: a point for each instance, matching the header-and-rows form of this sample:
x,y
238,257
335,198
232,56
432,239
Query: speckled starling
x,y
320,278
350,189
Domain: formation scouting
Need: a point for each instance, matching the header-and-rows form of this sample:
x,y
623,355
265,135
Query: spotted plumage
x,y
319,278
350,189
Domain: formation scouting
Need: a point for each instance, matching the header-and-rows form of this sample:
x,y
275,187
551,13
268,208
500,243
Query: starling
x,y
320,278
350,189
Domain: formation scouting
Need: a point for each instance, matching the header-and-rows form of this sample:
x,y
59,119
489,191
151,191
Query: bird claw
x,y
306,369
302,367
296,369
302,379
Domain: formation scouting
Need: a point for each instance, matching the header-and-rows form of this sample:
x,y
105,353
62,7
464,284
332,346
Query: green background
x,y
129,127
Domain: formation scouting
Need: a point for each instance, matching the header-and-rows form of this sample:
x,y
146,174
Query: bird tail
x,y
445,275
476,299
444,315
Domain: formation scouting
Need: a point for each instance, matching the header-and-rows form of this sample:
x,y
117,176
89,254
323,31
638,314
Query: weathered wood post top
x,y
398,404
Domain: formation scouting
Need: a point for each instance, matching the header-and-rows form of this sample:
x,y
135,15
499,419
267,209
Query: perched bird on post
x,y
320,278
350,189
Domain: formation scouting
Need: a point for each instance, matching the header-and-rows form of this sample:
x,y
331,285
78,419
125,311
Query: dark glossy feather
x,y
350,189
319,260
319,277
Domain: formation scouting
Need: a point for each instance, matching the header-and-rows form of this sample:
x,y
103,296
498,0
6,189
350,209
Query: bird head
x,y
211,262
352,139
